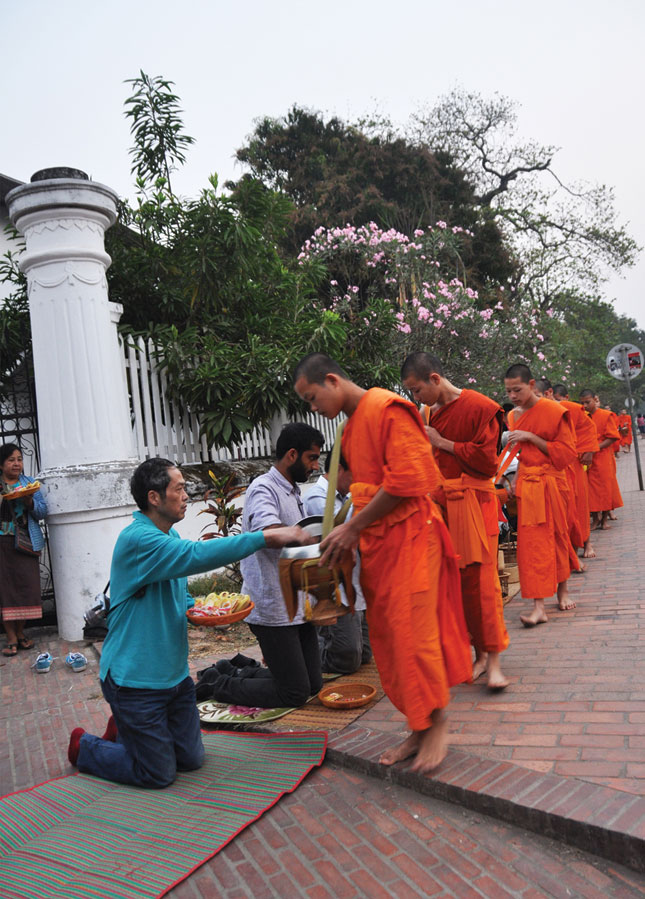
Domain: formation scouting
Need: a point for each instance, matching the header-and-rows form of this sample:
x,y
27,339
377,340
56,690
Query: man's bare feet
x,y
403,751
611,516
537,616
589,552
497,680
480,665
433,744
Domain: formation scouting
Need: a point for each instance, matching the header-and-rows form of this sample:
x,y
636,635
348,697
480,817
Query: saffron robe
x,y
468,495
625,430
409,572
604,493
586,442
544,551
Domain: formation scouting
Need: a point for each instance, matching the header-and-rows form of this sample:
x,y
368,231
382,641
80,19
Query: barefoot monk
x,y
547,446
604,493
409,575
464,428
586,446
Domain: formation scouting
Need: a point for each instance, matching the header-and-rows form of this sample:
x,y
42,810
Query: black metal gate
x,y
19,425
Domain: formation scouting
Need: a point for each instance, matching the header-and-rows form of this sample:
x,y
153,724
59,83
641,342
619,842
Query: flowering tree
x,y
423,279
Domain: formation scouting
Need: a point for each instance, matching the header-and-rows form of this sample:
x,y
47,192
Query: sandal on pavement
x,y
11,649
25,643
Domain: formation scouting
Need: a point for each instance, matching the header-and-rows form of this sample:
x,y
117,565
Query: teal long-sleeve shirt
x,y
147,642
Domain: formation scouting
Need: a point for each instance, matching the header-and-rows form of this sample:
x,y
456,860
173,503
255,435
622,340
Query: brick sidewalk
x,y
562,751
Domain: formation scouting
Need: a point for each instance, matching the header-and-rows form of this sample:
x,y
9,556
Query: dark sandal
x,y
25,643
11,649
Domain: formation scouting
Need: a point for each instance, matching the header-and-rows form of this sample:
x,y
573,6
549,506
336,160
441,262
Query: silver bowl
x,y
313,525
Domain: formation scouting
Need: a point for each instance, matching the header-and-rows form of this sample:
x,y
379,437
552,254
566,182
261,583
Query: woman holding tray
x,y
21,540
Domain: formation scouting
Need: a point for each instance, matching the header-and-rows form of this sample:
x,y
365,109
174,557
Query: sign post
x,y
625,362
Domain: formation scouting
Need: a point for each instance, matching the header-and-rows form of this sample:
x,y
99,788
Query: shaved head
x,y
421,366
521,371
316,366
560,390
586,392
543,384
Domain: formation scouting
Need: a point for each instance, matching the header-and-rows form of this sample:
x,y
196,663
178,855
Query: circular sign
x,y
625,361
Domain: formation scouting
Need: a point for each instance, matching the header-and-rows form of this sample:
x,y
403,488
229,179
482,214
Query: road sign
x,y
625,361
630,401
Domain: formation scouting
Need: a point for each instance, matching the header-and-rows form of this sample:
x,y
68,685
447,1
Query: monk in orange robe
x,y
586,446
547,446
409,573
604,493
625,430
464,428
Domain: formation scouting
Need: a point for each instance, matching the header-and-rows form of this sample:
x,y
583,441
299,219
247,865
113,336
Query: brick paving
x,y
561,752
576,704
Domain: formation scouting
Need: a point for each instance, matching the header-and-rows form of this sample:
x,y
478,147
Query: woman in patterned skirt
x,y
19,571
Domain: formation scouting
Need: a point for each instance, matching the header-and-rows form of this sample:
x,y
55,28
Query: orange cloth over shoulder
x,y
586,442
408,568
473,422
604,493
544,551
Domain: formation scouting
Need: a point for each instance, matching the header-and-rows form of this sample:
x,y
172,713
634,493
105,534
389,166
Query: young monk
x,y
586,446
625,430
464,428
547,447
409,574
604,493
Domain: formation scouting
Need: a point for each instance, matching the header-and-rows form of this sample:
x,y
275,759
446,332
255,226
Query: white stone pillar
x,y
85,436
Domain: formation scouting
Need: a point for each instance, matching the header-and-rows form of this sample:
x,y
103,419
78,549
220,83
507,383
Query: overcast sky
x,y
575,66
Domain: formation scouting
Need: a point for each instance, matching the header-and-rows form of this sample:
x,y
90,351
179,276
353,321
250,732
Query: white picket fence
x,y
162,427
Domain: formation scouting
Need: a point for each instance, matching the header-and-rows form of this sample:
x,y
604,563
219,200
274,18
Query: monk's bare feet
x,y
564,600
480,665
589,551
403,751
579,570
595,521
433,744
611,516
537,616
497,680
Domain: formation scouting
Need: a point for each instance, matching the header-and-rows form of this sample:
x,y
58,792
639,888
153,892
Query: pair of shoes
x,y
75,745
76,661
25,643
11,649
43,662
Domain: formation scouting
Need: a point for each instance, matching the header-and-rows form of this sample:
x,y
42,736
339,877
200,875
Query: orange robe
x,y
473,422
625,429
544,551
586,442
409,573
604,493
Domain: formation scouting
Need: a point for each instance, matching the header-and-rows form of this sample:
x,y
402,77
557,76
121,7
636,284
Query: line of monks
x,y
426,521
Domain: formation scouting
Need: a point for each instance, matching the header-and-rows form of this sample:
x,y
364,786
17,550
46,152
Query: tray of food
x,y
346,696
219,609
22,492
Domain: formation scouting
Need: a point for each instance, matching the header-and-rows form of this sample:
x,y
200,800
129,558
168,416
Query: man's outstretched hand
x,y
276,538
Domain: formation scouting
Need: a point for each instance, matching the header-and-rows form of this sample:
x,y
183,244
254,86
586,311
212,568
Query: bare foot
x,y
565,604
579,570
589,551
403,751
433,746
497,680
537,616
611,516
604,526
480,665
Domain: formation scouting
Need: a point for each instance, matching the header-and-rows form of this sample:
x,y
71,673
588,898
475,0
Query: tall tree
x,y
336,174
564,237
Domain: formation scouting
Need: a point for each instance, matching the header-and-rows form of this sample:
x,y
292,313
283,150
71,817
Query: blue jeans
x,y
159,734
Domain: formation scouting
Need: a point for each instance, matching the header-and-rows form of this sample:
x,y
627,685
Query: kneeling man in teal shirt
x,y
154,730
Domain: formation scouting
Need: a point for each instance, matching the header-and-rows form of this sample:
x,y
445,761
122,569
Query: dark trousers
x,y
345,646
159,734
292,675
